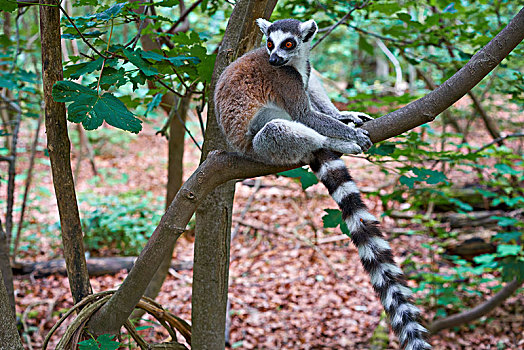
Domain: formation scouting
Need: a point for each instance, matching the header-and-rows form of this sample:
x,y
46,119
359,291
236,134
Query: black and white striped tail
x,y
375,253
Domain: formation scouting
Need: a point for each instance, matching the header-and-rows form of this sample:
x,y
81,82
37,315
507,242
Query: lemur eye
x,y
269,44
289,44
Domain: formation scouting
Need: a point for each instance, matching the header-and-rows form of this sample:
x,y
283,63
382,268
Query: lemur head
x,y
287,39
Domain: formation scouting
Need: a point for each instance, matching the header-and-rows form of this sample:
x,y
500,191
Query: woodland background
x,y
137,78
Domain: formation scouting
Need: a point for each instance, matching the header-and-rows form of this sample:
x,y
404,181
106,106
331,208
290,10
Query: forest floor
x,y
290,286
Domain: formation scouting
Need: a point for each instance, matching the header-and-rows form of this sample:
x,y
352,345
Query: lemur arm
x,y
319,98
320,102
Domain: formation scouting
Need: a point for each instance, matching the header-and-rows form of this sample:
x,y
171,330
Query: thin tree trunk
x,y
221,167
213,216
58,146
28,180
9,338
5,268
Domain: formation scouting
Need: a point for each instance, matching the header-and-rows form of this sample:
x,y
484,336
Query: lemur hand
x,y
362,139
357,118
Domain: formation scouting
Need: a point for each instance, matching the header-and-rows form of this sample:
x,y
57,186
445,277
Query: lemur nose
x,y
276,60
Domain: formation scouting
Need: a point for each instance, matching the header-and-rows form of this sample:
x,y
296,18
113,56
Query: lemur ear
x,y
308,29
263,24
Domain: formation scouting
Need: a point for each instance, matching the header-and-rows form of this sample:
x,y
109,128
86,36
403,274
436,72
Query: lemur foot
x,y
357,118
341,146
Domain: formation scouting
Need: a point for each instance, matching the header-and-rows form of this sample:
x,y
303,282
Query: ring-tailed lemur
x,y
272,109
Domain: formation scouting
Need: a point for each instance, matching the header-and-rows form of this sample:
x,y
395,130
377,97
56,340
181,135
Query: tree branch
x,y
425,109
478,311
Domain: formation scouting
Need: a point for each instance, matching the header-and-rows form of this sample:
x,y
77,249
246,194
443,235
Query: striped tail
x,y
375,253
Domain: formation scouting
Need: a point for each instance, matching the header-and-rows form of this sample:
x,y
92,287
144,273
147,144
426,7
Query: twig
x,y
342,20
17,50
250,200
169,88
488,122
497,140
381,37
79,32
10,103
184,15
27,187
317,250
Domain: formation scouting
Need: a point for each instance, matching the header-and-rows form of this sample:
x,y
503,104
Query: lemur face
x,y
287,39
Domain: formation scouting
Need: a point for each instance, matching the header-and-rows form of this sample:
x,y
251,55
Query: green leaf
x,y
144,66
89,344
334,219
508,249
506,169
307,178
508,236
111,12
382,149
154,103
364,45
512,268
91,110
484,259
75,71
504,221
8,5
112,77
408,181
206,66
404,17
106,342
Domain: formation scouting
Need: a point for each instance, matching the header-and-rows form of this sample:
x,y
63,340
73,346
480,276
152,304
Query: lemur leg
x,y
321,103
284,142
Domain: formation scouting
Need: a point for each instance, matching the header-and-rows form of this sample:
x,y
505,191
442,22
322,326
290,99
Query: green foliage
x,y
333,218
103,342
92,110
306,178
121,222
184,65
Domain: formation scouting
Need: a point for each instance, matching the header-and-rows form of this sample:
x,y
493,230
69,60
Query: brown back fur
x,y
247,85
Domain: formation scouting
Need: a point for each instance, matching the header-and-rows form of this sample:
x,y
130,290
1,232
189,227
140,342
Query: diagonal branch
x,y
425,109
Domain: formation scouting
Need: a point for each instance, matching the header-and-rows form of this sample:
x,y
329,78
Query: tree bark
x,y
221,167
213,216
9,338
478,311
58,146
5,269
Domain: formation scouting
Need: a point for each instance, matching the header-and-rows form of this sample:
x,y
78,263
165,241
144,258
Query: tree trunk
x,y
58,146
221,167
213,216
5,269
9,338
